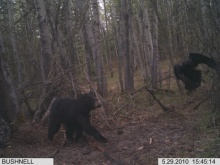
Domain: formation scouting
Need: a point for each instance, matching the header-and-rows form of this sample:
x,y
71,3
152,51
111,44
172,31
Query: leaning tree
x,y
8,99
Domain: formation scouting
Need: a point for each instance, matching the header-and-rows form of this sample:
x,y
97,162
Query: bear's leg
x,y
53,128
69,132
79,133
85,124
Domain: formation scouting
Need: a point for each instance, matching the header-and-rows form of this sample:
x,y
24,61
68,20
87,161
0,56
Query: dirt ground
x,y
135,138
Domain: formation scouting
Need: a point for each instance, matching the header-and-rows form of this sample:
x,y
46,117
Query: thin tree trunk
x,y
57,35
184,33
101,79
125,31
137,45
88,56
204,18
146,38
120,59
72,54
108,54
14,42
132,49
46,56
170,39
118,46
155,58
88,53
8,98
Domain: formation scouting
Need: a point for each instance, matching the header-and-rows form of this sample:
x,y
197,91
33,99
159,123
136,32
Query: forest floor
x,y
137,129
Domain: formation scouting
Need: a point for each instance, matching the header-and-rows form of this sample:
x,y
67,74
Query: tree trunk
x,y
148,43
139,55
72,53
46,57
120,57
44,39
145,38
118,46
125,31
155,58
107,45
101,79
57,35
8,99
84,32
13,42
171,49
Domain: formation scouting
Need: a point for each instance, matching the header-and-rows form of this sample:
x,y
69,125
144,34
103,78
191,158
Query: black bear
x,y
74,114
188,73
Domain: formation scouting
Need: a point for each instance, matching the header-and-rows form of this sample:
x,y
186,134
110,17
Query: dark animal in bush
x,y
74,114
188,73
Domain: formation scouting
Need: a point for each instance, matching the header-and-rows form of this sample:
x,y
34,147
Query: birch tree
x,y
46,55
107,43
13,41
101,79
126,50
155,58
85,33
70,37
116,23
144,39
8,99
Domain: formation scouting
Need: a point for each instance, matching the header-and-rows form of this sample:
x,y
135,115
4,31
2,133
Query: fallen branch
x,y
165,108
121,108
205,99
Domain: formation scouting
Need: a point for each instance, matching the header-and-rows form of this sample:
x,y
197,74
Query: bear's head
x,y
90,100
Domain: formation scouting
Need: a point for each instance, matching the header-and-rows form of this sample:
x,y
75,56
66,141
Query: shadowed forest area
x,y
124,51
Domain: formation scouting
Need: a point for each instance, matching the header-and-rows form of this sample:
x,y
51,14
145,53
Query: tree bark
x,y
70,37
84,33
101,79
145,39
155,58
8,97
9,107
171,48
128,57
107,45
118,45
46,57
14,42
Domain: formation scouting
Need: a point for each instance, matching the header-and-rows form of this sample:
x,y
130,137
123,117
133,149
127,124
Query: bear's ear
x,y
92,92
80,94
